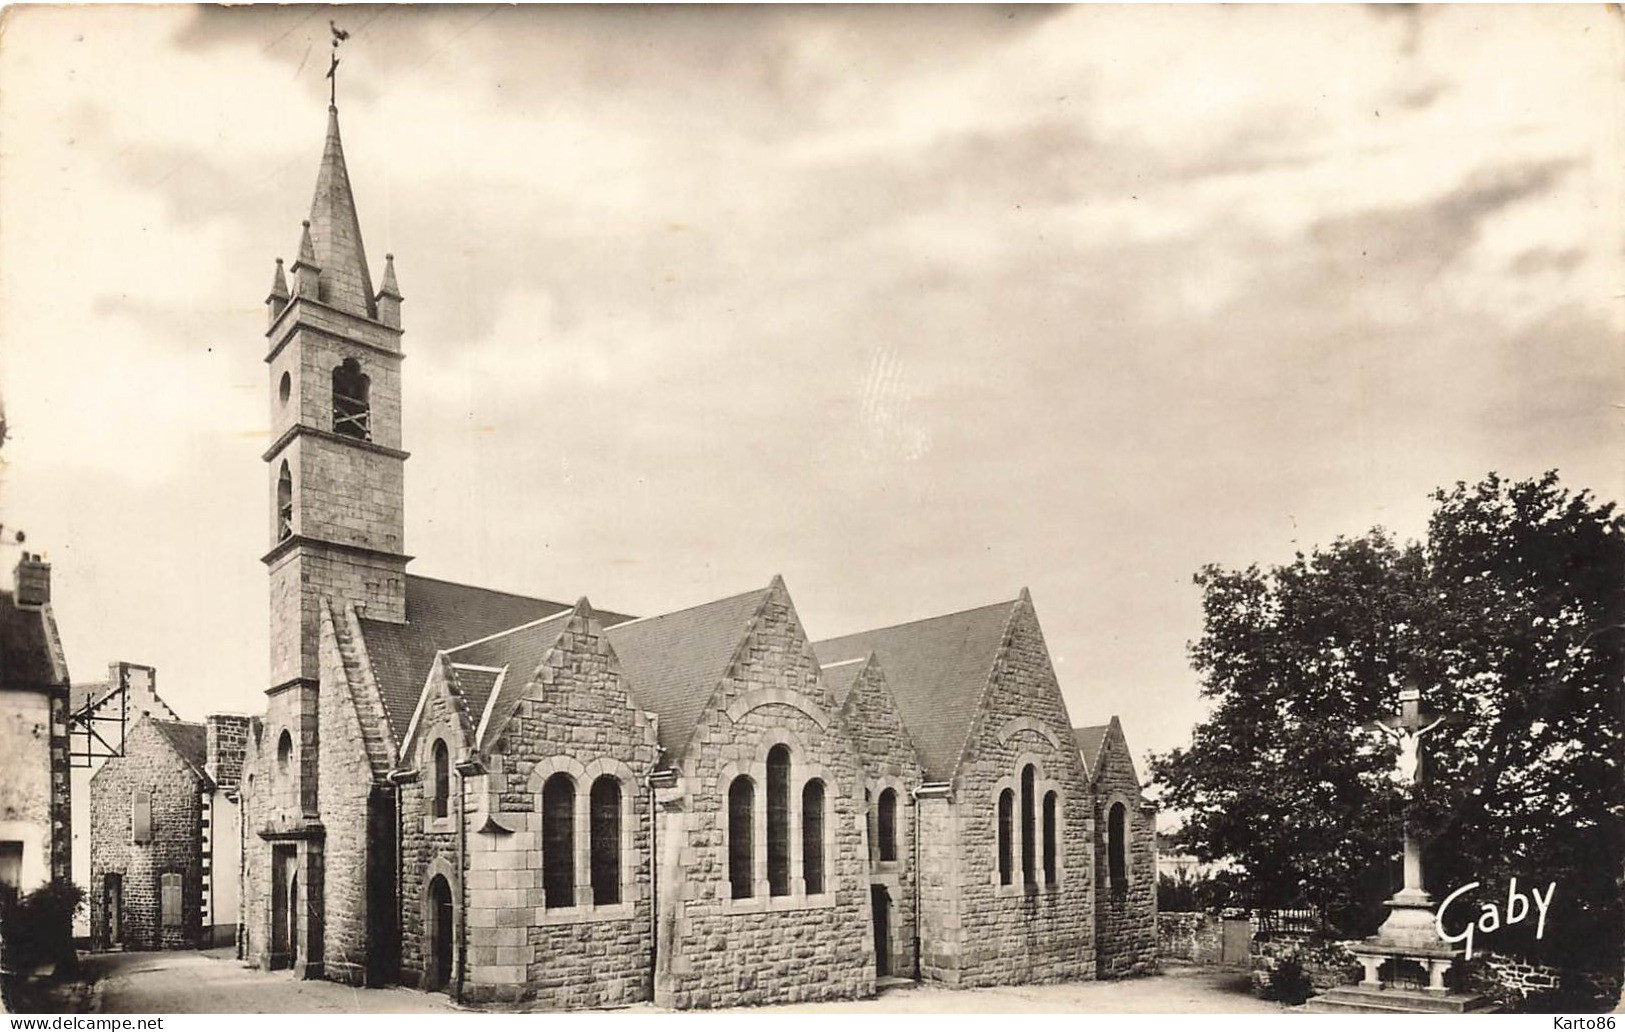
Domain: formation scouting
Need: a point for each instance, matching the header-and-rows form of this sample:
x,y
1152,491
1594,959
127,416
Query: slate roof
x,y
441,615
674,662
188,740
1090,741
25,646
510,657
81,696
937,669
840,677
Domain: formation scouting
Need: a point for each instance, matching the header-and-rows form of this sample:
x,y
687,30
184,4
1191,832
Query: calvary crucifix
x,y
1406,729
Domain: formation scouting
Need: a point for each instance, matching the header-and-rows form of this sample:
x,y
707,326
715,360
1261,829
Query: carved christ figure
x,y
1410,748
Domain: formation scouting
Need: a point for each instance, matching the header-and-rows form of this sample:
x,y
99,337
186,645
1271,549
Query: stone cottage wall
x,y
766,949
1125,917
1020,934
889,760
148,764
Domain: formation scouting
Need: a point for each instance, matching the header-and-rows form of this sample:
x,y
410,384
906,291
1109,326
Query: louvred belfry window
x,y
284,504
352,404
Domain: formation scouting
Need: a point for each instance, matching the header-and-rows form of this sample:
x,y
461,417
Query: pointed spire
x,y
388,302
277,299
336,231
306,272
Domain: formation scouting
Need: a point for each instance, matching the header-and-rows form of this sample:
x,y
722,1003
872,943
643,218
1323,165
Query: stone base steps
x,y
1354,999
885,982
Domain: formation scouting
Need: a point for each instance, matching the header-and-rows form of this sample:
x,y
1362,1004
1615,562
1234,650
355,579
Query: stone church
x,y
514,799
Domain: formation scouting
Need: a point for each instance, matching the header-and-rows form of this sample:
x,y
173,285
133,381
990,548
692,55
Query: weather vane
x,y
339,36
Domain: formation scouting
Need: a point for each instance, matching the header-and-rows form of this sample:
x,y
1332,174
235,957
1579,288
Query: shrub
x,y
37,928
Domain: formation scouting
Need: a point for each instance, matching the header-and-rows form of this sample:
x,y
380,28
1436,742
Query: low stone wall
x,y
1519,985
1195,937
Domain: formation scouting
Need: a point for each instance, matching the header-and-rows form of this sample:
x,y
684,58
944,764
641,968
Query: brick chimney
x,y
33,580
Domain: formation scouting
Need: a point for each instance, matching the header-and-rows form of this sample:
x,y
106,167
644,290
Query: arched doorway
x,y
437,961
880,900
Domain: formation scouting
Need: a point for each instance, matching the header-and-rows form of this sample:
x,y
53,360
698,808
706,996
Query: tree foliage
x,y
1510,617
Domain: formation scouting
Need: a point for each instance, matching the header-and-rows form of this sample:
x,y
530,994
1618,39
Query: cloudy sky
x,y
915,306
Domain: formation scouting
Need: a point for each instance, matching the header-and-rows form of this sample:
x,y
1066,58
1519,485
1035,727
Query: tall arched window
x,y
442,778
606,841
352,400
1050,804
1117,845
1029,837
778,820
887,821
812,836
1007,805
741,851
284,503
559,841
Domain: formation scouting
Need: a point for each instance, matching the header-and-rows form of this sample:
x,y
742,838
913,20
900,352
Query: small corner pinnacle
x,y
1026,596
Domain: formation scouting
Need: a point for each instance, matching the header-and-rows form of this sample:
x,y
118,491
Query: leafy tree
x,y
1510,617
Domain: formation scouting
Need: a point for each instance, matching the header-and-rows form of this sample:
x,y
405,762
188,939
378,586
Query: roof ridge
x,y
504,634
687,609
920,620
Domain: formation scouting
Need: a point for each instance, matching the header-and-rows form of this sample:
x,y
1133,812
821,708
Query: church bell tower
x,y
336,468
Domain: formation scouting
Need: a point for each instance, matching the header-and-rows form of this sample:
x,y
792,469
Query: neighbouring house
x,y
165,852
35,791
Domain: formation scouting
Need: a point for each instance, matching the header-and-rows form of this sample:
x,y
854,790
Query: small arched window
x,y
352,400
1117,846
559,841
812,836
442,778
606,840
284,751
741,851
284,503
1050,816
1007,805
778,820
1029,836
886,819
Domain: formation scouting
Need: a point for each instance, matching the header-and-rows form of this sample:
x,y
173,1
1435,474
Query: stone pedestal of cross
x,y
1408,936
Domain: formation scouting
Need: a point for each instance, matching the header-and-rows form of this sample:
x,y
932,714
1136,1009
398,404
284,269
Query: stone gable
x,y
1125,910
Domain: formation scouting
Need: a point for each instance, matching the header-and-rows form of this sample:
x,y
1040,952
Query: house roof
x,y
441,615
25,646
1090,741
937,669
190,742
83,696
674,662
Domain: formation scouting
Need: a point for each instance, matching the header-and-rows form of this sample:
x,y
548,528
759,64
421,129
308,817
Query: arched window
x,y
886,819
559,841
1050,803
741,851
606,840
352,407
1029,837
1007,805
284,752
1117,845
442,778
812,836
778,820
284,503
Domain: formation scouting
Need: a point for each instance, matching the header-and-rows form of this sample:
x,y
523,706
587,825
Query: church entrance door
x,y
881,900
440,937
284,906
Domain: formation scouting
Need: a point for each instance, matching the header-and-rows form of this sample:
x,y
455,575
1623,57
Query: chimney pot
x,y
33,581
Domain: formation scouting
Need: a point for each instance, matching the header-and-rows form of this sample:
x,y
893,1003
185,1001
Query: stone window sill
x,y
776,904
1018,889
438,825
585,915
